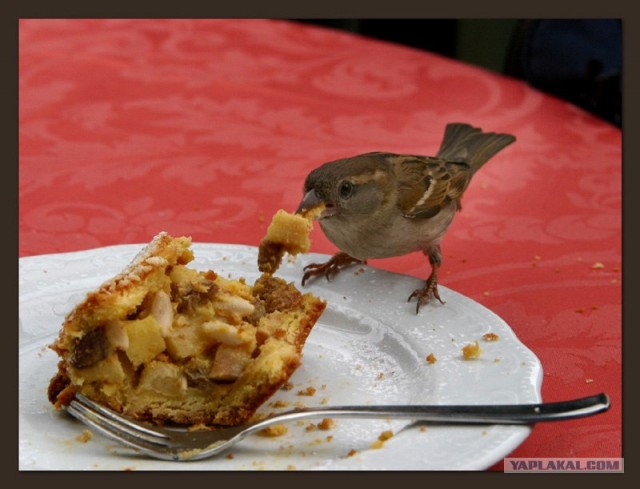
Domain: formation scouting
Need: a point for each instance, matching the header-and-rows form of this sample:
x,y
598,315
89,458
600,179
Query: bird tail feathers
x,y
468,144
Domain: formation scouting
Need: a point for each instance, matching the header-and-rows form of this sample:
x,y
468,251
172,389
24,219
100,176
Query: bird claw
x,y
426,293
328,269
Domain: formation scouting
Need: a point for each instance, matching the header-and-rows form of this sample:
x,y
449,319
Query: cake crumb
x,y
199,427
382,437
326,424
431,359
287,233
588,381
490,337
471,351
385,435
351,453
230,456
274,431
309,391
85,436
279,404
597,265
287,386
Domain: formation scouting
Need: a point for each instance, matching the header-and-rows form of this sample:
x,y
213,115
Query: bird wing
x,y
426,184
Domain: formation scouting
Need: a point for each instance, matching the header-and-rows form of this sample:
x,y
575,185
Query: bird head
x,y
348,188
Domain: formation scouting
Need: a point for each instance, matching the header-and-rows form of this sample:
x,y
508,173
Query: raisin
x,y
276,294
90,349
270,256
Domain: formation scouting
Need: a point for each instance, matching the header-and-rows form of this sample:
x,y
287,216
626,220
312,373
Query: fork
x,y
181,444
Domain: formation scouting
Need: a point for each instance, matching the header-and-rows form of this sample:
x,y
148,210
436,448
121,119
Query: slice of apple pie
x,y
162,342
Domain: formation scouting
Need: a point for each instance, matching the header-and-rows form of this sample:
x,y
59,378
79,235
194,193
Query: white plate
x,y
369,347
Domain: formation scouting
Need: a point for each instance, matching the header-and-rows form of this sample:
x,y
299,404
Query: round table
x,y
207,127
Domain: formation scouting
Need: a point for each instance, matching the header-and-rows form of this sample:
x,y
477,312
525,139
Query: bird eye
x,y
346,189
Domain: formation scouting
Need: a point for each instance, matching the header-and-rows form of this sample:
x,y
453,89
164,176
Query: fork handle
x,y
469,414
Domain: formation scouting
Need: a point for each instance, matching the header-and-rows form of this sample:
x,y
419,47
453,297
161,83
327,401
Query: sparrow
x,y
381,205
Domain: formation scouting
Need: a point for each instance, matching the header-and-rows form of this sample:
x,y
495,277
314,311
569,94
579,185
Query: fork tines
x,y
119,428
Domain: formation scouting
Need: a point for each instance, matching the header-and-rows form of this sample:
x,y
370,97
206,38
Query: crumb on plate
x,y
490,337
471,351
382,437
274,430
85,436
279,404
326,424
309,391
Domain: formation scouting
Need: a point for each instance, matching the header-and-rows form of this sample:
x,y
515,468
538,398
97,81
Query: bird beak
x,y
311,200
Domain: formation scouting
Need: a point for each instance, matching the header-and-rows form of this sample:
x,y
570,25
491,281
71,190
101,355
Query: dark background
x,y
483,42
579,60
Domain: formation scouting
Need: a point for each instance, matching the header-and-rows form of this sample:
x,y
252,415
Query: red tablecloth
x,y
207,127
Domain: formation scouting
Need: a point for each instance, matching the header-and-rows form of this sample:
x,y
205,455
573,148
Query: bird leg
x,y
430,288
330,268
